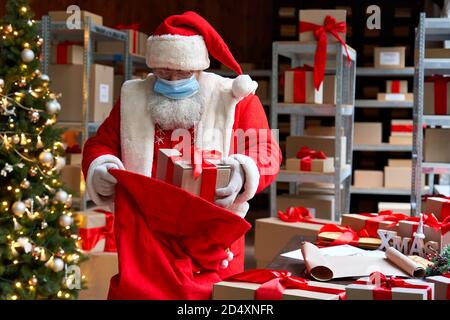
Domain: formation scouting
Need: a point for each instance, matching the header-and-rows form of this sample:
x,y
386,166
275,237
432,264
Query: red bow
x,y
91,236
320,33
384,285
306,155
373,223
297,214
274,282
348,235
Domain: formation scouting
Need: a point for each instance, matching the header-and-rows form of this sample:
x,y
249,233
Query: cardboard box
x,y
273,234
62,16
368,179
74,158
329,89
232,290
408,97
397,86
407,229
321,131
368,133
182,172
397,177
441,287
135,45
399,162
98,269
436,145
318,17
305,84
358,222
439,206
74,54
437,53
389,57
101,91
401,140
401,127
317,165
325,144
71,176
320,206
91,220
434,106
366,291
396,207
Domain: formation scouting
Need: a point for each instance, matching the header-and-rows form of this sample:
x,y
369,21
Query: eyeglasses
x,y
169,74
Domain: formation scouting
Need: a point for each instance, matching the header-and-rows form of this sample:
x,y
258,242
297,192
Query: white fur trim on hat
x,y
251,177
177,52
243,85
90,187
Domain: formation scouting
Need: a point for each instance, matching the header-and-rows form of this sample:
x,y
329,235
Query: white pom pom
x,y
224,264
243,85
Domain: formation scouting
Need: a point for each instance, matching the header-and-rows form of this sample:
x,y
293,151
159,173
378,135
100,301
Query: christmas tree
x,y
38,239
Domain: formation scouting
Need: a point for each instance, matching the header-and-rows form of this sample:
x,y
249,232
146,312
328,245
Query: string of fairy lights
x,y
46,165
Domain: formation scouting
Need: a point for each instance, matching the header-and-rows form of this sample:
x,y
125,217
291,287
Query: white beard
x,y
171,114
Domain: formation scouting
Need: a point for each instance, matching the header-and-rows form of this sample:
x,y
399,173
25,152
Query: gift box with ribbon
x,y
68,52
322,26
369,223
436,92
272,234
310,160
433,229
380,287
299,86
401,127
96,230
441,285
263,284
408,97
439,206
200,173
397,86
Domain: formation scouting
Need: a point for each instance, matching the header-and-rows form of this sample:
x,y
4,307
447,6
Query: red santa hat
x,y
182,42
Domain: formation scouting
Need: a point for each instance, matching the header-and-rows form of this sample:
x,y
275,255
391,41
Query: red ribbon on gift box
x,y
306,155
440,93
384,286
330,26
300,82
445,211
431,221
91,236
274,282
395,86
134,28
62,49
201,166
373,223
348,235
297,214
402,128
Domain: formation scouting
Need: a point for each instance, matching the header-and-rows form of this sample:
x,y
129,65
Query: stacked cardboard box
x,y
401,132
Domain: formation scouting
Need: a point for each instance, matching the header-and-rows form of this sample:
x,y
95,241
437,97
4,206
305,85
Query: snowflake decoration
x,y
20,165
7,169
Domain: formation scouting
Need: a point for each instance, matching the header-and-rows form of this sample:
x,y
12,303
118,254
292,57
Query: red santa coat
x,y
127,138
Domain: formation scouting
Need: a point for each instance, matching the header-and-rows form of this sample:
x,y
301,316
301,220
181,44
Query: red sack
x,y
170,243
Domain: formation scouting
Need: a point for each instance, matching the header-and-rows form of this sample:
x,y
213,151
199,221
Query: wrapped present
x,y
334,235
397,86
441,286
323,26
96,230
380,287
299,86
98,269
68,52
200,177
436,92
401,127
272,234
369,224
320,206
439,206
310,160
434,230
262,284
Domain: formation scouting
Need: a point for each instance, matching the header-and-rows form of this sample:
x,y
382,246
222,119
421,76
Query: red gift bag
x,y
170,243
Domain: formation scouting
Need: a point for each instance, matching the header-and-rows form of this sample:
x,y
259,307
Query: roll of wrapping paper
x,y
405,263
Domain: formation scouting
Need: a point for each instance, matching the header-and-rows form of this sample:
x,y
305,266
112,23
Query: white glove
x,y
227,195
103,182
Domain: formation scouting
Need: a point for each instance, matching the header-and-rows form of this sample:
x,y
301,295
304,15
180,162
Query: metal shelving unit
x,y
88,34
429,29
372,103
342,111
382,147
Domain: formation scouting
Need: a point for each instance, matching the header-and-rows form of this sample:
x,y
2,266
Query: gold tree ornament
x,y
46,158
18,208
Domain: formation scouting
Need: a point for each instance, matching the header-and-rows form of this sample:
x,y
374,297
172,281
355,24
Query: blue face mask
x,y
177,89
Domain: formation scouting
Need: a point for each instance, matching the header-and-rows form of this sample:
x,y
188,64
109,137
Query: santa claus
x,y
179,96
